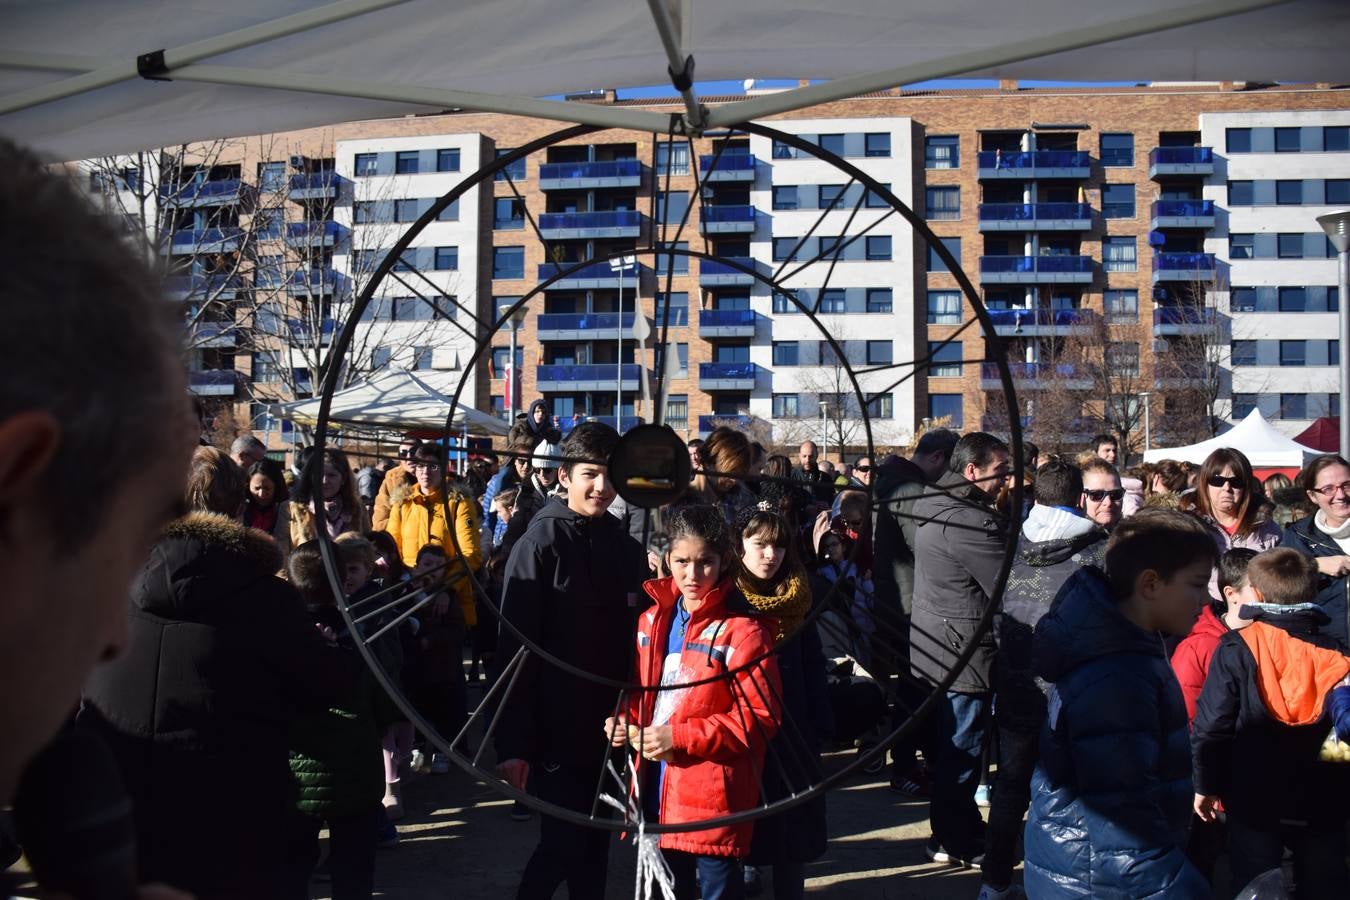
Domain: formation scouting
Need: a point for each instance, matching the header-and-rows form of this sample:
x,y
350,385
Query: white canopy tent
x,y
83,78
396,400
1254,436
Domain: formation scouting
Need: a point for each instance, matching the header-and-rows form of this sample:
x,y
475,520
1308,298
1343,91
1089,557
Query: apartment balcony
x,y
591,326
575,379
310,334
315,186
1179,320
226,239
727,167
580,176
197,194
617,223
314,282
727,219
1188,374
714,273
727,376
1029,165
1183,267
591,276
314,234
1043,322
213,335
1035,217
726,323
1182,214
1186,162
1036,269
202,287
1038,375
708,423
1079,426
620,424
213,382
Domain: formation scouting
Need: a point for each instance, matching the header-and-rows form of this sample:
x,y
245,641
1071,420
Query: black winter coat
x,y
572,587
1305,537
1111,794
222,659
1264,770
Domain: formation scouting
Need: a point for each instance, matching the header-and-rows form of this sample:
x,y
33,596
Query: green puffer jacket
x,y
335,755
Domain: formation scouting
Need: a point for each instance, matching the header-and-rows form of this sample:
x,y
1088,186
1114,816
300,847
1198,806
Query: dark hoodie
x,y
571,588
1262,761
222,659
1111,795
545,430
1305,537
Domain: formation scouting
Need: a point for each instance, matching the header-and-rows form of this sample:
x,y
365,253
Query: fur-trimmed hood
x,y
203,557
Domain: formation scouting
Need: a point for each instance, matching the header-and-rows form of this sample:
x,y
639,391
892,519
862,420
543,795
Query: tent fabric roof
x,y
398,400
251,67
1254,436
1323,435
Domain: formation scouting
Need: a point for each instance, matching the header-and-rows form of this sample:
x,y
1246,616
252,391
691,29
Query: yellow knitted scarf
x,y
788,601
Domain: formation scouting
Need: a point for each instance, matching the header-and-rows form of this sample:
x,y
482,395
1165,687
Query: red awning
x,y
1323,435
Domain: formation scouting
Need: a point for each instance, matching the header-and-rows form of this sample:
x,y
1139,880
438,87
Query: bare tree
x,y
1188,370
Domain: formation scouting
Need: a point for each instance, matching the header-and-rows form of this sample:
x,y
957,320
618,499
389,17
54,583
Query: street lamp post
x,y
517,319
1145,395
1337,227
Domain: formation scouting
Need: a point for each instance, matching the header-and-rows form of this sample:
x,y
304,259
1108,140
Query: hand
x,y
617,730
515,772
329,634
1333,566
657,743
653,561
1207,807
820,529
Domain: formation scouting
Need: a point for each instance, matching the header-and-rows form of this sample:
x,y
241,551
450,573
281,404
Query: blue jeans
x,y
958,746
719,877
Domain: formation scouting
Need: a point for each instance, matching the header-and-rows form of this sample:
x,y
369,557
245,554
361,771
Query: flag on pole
x,y
509,384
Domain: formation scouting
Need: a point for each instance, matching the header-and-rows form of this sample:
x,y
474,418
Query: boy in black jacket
x,y
571,586
1258,727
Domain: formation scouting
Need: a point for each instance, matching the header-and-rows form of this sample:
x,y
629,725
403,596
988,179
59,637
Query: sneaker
x,y
440,764
386,835
417,762
913,783
1011,892
939,854
754,882
875,766
520,812
982,796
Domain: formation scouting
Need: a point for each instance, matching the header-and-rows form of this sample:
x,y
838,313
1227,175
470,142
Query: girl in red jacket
x,y
708,738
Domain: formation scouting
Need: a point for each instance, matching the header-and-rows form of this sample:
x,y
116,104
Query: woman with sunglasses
x,y
1325,536
1223,500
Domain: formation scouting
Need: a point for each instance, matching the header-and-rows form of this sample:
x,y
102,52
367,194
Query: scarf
x,y
788,601
333,517
1340,535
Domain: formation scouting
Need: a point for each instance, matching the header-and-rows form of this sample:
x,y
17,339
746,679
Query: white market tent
x,y
84,78
1254,436
396,400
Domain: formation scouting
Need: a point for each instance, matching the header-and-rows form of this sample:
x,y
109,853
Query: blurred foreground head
x,y
95,434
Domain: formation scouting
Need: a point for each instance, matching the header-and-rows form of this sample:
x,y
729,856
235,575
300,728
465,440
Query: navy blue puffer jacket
x,y
1111,796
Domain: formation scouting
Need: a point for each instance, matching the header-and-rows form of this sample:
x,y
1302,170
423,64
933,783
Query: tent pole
x,y
681,67
841,88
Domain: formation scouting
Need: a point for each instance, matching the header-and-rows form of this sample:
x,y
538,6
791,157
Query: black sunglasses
x,y
1097,495
862,468
1218,481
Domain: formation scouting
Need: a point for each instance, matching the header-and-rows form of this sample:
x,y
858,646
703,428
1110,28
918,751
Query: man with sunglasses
x,y
400,476
1103,496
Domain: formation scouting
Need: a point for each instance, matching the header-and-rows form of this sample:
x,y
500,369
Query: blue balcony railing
x,y
614,168
590,373
213,378
592,321
1034,159
728,371
323,280
1035,264
315,181
1183,315
1026,212
595,270
727,162
728,214
1025,318
303,332
1188,209
724,318
202,285
1030,370
313,231
200,237
708,423
576,221
1181,156
197,191
715,267
1183,261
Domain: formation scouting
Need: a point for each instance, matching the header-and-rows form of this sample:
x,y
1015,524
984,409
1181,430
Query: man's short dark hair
x,y
978,449
1059,484
939,440
88,338
1104,438
1163,540
1233,568
589,442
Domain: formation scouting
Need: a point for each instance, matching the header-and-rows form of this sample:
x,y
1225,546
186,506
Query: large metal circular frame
x,y
995,353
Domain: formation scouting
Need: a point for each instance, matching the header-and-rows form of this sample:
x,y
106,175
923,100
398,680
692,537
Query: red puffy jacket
x,y
1190,661
721,728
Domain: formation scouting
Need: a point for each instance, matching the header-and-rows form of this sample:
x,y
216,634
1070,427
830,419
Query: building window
x,y
447,159
1122,357
1290,246
880,353
944,307
784,304
508,214
1293,353
679,308
1288,140
877,144
405,210
944,359
1244,353
785,353
363,211
1241,246
783,248
271,176
879,300
1293,299
786,406
682,360
881,406
878,247
935,263
1117,201
1240,193
672,159
1121,305
508,262
731,353
411,309
515,171
1243,404
876,201
832,143
1289,193
785,196
1117,150
1119,254
407,162
946,406
450,213
783,151
1336,139
677,409
447,258
943,202
833,300
831,195
677,263
1293,406
671,207
380,358
1337,192
366,164
1239,140
942,152
265,369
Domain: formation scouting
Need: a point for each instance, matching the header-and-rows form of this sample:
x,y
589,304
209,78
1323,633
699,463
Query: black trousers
x,y
351,853
575,854
1319,857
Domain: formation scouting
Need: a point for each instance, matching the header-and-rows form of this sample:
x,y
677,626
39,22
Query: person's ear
x,y
28,443
564,477
1148,583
